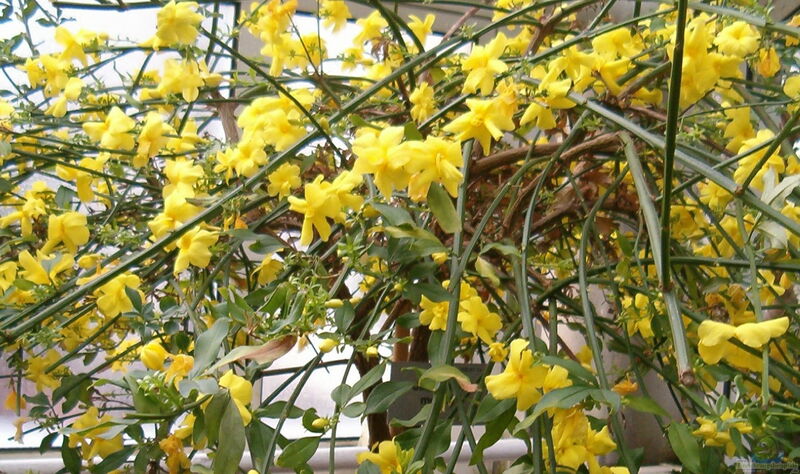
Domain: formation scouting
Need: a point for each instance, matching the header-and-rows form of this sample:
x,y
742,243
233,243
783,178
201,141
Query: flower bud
x,y
371,351
321,423
328,345
334,303
153,355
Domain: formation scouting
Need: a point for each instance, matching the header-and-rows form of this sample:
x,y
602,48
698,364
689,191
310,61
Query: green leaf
x,y
47,442
135,297
385,394
491,408
231,441
213,414
414,292
208,344
685,446
275,410
355,409
434,375
258,437
420,417
368,380
561,398
71,457
343,317
114,461
645,405
298,452
494,430
575,369
442,207
408,231
412,132
341,394
64,197
395,216
487,270
267,352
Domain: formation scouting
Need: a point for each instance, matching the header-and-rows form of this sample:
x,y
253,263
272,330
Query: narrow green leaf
x,y
385,394
298,452
434,375
71,457
645,405
114,460
494,430
231,441
685,446
355,409
369,379
208,344
442,207
213,414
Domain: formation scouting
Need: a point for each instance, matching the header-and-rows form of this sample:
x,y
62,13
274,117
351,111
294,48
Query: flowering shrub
x,y
489,195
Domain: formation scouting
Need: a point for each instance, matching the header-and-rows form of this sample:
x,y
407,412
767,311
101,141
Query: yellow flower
x,y
497,352
34,271
739,128
483,122
768,63
483,64
717,433
14,402
714,337
639,312
193,249
113,132
323,201
334,13
112,298
521,379
421,28
625,387
435,160
382,155
388,458
153,355
182,174
433,314
73,49
177,461
371,27
283,180
423,103
271,19
180,367
121,364
151,139
176,211
268,269
557,377
241,392
182,77
748,163
37,367
91,440
69,228
737,39
177,24
476,319
8,273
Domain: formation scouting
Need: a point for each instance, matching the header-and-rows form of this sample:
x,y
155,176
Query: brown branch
x,y
227,117
608,142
